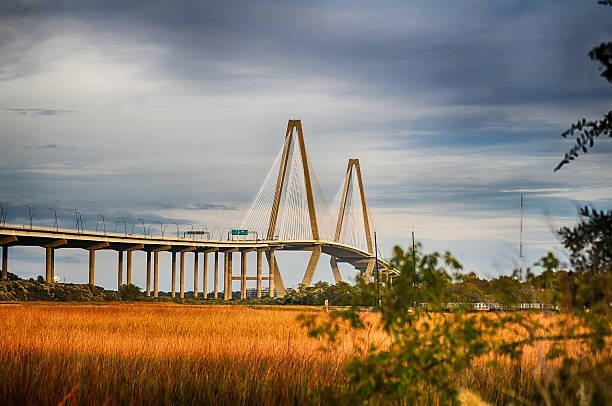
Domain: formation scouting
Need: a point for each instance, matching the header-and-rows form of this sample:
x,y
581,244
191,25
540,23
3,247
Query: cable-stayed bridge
x,y
289,213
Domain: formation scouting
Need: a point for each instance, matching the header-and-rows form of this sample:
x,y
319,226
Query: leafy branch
x,y
589,241
587,131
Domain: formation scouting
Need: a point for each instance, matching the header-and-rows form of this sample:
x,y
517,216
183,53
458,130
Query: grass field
x,y
149,353
175,354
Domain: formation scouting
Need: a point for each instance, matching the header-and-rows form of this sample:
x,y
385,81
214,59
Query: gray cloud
x,y
210,206
451,107
47,146
190,206
37,112
513,52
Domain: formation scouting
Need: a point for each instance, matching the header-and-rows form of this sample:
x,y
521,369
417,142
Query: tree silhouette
x,y
586,131
590,241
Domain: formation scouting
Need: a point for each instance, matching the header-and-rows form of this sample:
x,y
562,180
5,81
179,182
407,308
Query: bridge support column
x,y
155,273
92,266
50,258
227,294
173,274
225,267
277,279
49,265
52,264
368,272
258,274
119,270
195,274
216,276
243,274
5,262
271,266
128,266
205,277
230,273
92,260
312,266
182,277
148,291
333,262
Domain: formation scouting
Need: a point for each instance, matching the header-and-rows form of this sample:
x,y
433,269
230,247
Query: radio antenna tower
x,y
521,243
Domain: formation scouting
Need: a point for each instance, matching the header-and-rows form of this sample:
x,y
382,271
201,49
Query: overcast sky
x,y
174,111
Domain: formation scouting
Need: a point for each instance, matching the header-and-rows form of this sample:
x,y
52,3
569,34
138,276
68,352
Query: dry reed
x,y
174,354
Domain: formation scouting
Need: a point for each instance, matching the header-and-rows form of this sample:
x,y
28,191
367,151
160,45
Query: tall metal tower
x,y
521,243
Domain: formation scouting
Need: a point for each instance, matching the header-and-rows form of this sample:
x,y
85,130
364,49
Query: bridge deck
x,y
11,235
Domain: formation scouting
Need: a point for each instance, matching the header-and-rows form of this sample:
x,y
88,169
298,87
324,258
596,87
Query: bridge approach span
x,y
52,239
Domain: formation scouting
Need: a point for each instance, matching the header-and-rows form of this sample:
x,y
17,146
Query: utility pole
x,y
521,243
413,255
377,272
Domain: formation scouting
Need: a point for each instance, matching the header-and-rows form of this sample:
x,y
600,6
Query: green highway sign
x,y
240,232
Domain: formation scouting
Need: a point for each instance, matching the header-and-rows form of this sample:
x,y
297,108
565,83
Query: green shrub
x,y
130,292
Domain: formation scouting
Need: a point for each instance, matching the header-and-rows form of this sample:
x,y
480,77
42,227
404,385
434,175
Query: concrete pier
x,y
128,266
129,260
49,265
259,274
216,276
155,273
119,270
272,263
53,264
182,271
205,276
156,252
195,274
312,266
227,294
4,241
225,276
5,262
182,276
229,275
148,288
173,274
92,266
333,263
92,260
50,258
243,274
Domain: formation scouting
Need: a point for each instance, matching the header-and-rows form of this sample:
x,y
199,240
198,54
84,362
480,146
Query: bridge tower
x,y
290,208
293,134
353,169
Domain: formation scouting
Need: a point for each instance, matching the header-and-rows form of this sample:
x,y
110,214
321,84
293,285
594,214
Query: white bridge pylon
x,y
290,206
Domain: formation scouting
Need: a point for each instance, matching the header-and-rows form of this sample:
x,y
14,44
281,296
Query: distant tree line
x,y
31,289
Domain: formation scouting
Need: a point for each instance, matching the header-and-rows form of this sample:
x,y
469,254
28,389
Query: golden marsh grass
x,y
162,353
176,354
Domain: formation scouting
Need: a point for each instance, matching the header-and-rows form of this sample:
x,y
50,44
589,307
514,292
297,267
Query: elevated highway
x,y
124,244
